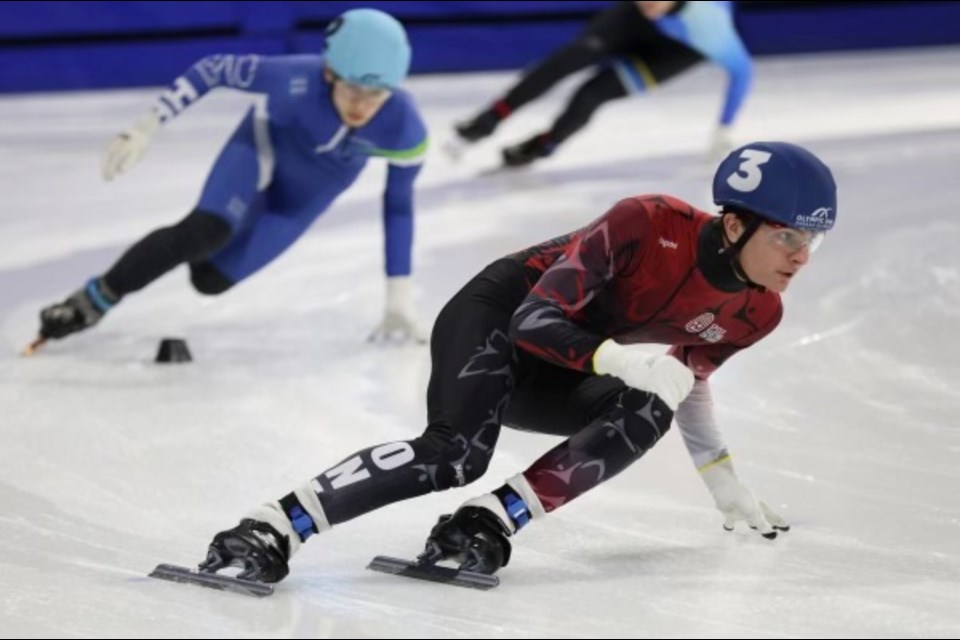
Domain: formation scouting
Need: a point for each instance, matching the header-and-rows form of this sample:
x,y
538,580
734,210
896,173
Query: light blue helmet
x,y
778,181
368,47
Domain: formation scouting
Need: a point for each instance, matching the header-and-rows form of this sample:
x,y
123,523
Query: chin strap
x,y
732,250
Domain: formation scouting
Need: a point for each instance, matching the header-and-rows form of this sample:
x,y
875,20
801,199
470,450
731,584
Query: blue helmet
x,y
369,48
778,181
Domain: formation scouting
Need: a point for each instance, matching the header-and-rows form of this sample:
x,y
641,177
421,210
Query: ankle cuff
x,y
100,295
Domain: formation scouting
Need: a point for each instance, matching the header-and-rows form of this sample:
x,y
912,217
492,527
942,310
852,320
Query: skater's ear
x,y
734,224
329,75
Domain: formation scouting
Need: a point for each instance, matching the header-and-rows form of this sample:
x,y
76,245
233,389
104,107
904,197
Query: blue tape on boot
x,y
517,510
96,296
301,521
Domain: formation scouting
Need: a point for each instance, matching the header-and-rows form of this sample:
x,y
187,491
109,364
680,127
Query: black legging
x,y
614,30
602,87
619,30
480,381
192,240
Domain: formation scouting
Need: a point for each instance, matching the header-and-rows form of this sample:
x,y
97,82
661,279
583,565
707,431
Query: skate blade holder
x,y
434,573
184,575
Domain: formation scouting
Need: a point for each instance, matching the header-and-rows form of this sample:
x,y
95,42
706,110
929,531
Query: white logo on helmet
x,y
818,219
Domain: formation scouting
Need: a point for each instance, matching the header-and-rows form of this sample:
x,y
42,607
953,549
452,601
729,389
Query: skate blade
x,y
212,580
33,347
501,170
434,573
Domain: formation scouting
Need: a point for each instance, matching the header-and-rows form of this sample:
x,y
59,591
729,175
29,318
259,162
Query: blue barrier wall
x,y
83,45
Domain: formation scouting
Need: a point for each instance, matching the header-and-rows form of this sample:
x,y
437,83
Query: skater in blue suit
x,y
316,122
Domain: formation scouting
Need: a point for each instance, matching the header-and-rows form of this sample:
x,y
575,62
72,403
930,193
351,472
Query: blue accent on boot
x,y
516,509
302,522
548,146
96,296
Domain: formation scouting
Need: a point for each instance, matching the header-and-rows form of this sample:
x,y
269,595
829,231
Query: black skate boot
x,y
83,309
474,536
257,547
480,126
520,155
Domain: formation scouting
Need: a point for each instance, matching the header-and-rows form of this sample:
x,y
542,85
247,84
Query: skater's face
x,y
356,104
654,10
774,254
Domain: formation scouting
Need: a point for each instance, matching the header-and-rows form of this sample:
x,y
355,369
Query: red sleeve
x,y
613,244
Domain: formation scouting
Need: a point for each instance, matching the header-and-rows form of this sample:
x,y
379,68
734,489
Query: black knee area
x,y
192,240
208,280
457,460
588,45
603,87
201,234
646,418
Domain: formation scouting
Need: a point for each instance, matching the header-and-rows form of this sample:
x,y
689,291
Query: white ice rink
x,y
846,418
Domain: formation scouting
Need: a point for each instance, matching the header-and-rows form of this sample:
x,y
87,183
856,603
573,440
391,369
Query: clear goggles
x,y
791,240
362,93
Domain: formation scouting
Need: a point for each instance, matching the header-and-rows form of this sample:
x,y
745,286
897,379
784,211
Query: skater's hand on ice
x,y
400,317
737,503
396,327
721,144
129,146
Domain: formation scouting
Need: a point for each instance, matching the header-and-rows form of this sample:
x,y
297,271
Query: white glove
x,y
737,503
400,316
454,148
661,375
721,144
128,147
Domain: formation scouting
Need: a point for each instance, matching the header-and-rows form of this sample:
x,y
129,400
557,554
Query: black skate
x,y
473,537
259,549
479,127
83,309
256,547
520,155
